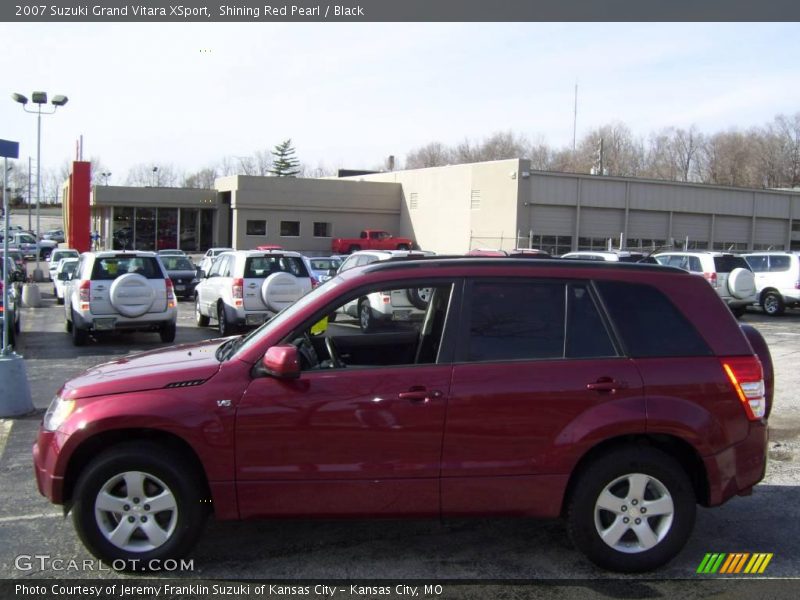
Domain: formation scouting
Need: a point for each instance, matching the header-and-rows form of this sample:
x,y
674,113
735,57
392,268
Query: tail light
x,y
747,377
84,294
386,297
171,300
237,291
711,278
314,282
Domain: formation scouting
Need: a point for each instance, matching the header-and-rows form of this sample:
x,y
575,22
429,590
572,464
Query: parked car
x,y
379,309
19,261
65,269
209,256
515,253
777,277
248,287
10,311
371,239
322,267
728,274
612,256
115,291
27,244
182,273
171,252
56,256
57,235
625,399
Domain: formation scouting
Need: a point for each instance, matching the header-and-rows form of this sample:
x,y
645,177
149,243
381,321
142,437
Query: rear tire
x,y
224,326
79,335
773,304
403,247
631,510
167,333
162,495
366,320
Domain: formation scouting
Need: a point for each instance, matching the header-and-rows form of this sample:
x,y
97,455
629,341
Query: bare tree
x,y
622,155
202,179
787,130
434,154
153,175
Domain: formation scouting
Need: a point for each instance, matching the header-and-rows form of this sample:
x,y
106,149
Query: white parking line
x,y
29,517
5,429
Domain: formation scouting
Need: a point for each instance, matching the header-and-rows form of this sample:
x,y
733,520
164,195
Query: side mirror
x,y
282,362
63,276
200,273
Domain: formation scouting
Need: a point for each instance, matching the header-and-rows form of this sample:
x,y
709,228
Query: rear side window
x,y
726,264
260,267
778,264
107,269
535,320
759,264
648,323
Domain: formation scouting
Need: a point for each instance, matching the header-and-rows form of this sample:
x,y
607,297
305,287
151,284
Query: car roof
x,y
121,253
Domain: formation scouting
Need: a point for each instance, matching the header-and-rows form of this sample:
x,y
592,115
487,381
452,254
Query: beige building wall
x,y
453,209
346,207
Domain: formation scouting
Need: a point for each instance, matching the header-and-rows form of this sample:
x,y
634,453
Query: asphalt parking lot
x,y
484,549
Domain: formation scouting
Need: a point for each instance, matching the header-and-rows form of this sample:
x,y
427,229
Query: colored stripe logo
x,y
734,563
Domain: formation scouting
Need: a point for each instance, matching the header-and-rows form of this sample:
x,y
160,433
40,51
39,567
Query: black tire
x,y
159,473
773,304
79,335
67,325
200,319
403,247
353,248
738,311
416,298
223,325
666,482
167,333
366,320
12,336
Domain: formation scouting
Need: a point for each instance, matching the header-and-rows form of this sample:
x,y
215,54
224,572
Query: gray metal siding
x,y
732,229
601,222
602,193
648,224
691,199
771,231
554,190
767,205
696,227
552,220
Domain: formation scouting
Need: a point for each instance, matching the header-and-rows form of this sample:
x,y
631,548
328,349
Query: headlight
x,y
57,413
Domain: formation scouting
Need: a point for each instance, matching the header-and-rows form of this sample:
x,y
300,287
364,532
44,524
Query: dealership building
x,y
451,209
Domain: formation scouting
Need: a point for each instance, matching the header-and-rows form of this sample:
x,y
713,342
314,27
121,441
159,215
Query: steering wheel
x,y
334,354
308,356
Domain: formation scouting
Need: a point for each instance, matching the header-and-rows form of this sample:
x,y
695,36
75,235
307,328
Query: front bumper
x,y
45,457
738,468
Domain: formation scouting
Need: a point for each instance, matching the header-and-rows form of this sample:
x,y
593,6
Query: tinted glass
x,y
648,323
259,267
516,320
759,264
177,263
778,264
586,334
726,264
106,269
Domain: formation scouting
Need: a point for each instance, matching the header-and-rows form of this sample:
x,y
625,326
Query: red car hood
x,y
147,371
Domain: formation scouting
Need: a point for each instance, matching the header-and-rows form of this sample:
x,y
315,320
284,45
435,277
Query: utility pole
x,y
30,227
575,118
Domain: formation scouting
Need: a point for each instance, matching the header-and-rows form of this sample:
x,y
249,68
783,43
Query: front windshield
x,y
254,337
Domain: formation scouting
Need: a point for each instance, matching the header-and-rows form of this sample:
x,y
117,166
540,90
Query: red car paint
x,y
448,439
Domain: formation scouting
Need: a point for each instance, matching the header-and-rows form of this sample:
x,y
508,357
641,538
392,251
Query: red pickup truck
x,y
371,239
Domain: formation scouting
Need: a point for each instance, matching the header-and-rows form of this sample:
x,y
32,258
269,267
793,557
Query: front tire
x,y
136,502
200,318
631,510
773,304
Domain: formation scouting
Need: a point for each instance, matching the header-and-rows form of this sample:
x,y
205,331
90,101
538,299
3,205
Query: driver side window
x,y
379,327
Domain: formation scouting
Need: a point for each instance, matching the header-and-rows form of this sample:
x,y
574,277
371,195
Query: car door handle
x,y
419,395
606,384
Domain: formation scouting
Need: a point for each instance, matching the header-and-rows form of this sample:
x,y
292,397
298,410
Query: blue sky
x,y
351,94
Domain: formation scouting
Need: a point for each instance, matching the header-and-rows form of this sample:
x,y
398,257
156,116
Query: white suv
x,y
777,280
391,306
729,275
249,287
120,290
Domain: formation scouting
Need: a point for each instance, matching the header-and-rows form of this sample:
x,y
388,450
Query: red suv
x,y
618,396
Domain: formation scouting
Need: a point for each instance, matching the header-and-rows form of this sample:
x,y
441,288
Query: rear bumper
x,y
739,467
150,321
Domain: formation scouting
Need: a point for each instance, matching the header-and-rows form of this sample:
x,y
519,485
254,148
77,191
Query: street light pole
x,y
39,98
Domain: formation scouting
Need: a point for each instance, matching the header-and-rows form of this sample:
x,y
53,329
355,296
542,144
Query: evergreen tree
x,y
284,163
